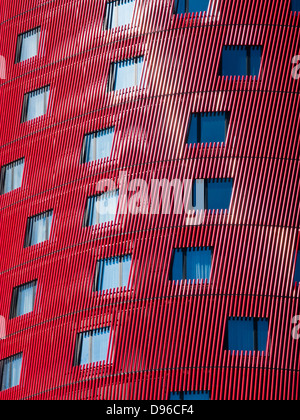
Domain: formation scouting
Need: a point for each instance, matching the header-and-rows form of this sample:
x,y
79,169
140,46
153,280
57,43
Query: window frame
x,y
106,26
88,207
255,334
79,346
248,49
112,74
97,285
184,262
3,175
83,155
15,297
48,214
20,42
187,5
199,118
10,360
43,90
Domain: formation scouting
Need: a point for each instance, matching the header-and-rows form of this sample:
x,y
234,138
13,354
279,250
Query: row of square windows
x,y
242,334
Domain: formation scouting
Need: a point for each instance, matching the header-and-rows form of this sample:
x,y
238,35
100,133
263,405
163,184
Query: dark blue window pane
x,y
255,60
175,396
177,269
198,264
234,61
180,6
296,5
262,334
198,6
219,193
240,335
297,273
193,136
213,128
196,396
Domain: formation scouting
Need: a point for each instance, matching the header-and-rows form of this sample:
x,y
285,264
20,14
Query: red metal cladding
x,y
167,336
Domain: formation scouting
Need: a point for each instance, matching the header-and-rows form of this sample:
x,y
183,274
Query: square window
x,y
38,229
118,13
35,104
28,45
112,273
212,194
208,128
241,61
191,6
191,264
247,334
92,347
101,208
125,74
11,176
10,372
23,299
97,145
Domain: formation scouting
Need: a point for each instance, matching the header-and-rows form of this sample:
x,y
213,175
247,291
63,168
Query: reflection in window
x,y
190,396
247,334
112,273
38,229
241,60
23,299
125,74
35,104
208,128
28,45
191,264
11,176
191,6
97,145
101,208
118,13
92,347
10,372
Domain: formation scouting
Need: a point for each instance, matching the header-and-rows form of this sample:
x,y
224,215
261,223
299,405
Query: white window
x,y
97,145
23,299
125,74
11,176
35,104
38,229
118,13
92,347
28,45
10,372
101,208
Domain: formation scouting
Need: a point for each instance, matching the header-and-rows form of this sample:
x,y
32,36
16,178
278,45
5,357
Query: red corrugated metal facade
x,y
168,336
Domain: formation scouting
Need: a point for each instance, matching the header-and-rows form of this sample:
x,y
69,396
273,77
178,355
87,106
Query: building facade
x,y
149,208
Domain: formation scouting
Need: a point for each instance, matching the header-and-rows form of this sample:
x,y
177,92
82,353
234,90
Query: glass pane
x,y
198,264
37,104
98,145
255,60
30,45
175,396
126,265
95,346
196,396
26,297
296,5
85,349
11,372
234,61
119,13
177,267
13,176
219,193
114,273
198,6
213,128
105,208
41,226
262,334
240,335
297,272
128,73
180,6
193,136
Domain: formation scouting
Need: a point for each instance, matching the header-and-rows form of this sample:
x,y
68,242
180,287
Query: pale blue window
x,y
247,334
296,5
92,347
241,60
11,176
208,128
190,396
297,272
10,372
28,45
35,104
97,145
112,273
118,13
191,264
38,228
23,299
218,194
125,74
101,208
191,6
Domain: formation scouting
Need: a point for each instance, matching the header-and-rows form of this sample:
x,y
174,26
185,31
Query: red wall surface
x,y
167,336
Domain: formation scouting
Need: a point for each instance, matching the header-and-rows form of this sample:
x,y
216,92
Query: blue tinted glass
x,y
213,128
255,60
193,129
240,335
119,13
98,145
234,61
180,6
197,395
128,73
177,268
262,334
198,6
198,264
95,346
297,272
11,372
296,5
114,273
175,396
219,193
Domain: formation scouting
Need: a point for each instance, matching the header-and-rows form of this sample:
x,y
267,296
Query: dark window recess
x,y
10,372
212,194
27,45
247,334
38,229
191,264
295,5
190,6
23,299
11,176
241,61
190,396
297,272
208,127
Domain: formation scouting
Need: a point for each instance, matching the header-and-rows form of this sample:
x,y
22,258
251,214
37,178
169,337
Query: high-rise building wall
x,y
149,227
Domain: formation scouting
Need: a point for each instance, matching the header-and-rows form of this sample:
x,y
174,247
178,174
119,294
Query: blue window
x,y
190,396
125,74
11,176
296,5
97,145
38,228
191,6
28,45
35,104
10,372
118,13
212,194
241,60
191,264
112,273
208,128
297,272
101,208
247,334
23,299
92,347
